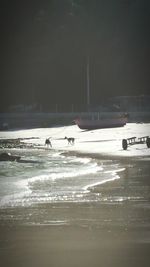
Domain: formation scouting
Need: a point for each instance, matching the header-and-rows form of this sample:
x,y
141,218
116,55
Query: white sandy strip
x,y
102,141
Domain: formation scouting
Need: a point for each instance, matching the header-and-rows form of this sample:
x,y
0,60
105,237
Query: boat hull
x,y
86,124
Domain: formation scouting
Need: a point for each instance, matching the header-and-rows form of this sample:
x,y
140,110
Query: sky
x,y
45,46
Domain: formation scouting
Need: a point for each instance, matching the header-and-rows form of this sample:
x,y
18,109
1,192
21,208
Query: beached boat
x,y
91,124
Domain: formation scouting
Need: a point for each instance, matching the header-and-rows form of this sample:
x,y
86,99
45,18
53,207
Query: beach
x,y
112,232
111,229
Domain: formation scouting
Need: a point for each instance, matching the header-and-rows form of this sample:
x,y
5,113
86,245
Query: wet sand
x,y
114,231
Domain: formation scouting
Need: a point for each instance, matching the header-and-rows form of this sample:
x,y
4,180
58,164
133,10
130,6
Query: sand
x,y
72,246
112,232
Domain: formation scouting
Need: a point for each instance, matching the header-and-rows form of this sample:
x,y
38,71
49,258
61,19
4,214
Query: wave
x,y
114,176
94,168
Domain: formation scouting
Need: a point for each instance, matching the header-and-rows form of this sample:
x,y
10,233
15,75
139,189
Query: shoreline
x,y
124,160
103,142
113,231
102,155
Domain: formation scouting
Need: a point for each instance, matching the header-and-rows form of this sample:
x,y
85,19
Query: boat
x,y
92,124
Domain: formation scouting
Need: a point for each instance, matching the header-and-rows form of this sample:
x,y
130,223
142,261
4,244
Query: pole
x,y
88,82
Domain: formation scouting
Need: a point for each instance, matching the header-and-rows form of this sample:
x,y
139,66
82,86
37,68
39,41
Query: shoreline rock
x,y
15,143
9,157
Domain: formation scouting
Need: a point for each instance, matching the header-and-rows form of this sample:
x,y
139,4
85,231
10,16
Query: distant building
x,y
139,103
23,108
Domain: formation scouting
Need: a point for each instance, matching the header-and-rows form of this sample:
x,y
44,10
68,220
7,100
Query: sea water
x,y
47,176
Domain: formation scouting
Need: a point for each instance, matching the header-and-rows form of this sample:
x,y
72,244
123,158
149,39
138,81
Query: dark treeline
x,y
45,45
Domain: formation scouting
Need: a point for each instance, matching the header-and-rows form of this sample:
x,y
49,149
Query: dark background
x,y
45,45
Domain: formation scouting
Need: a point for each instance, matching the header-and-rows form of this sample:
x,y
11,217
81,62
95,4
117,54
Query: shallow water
x,y
48,177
